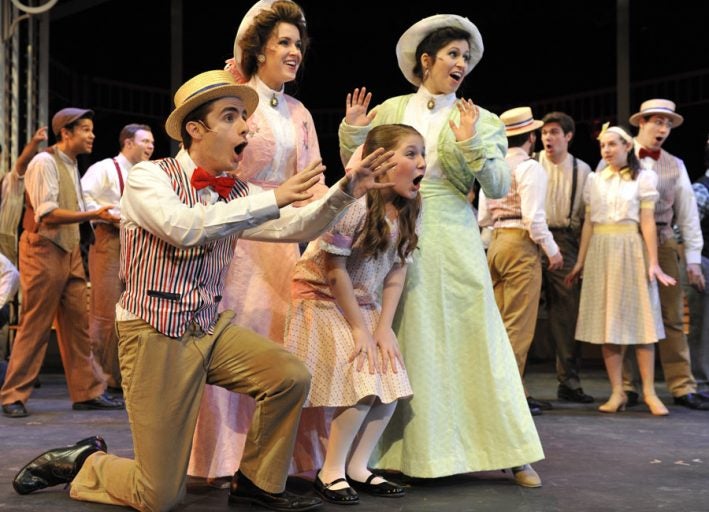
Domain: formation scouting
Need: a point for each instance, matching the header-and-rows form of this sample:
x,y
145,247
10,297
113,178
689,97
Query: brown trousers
x,y
106,289
52,283
163,381
515,269
674,350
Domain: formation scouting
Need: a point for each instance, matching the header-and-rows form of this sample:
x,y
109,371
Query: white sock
x,y
372,429
343,429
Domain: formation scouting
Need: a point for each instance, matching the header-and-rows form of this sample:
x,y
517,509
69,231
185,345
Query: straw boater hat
x,y
655,107
519,120
246,22
207,86
409,41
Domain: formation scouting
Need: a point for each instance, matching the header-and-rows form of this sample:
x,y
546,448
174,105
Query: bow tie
x,y
652,153
222,185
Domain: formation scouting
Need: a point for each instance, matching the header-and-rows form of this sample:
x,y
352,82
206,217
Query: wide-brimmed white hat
x,y
657,107
205,87
409,41
246,22
519,120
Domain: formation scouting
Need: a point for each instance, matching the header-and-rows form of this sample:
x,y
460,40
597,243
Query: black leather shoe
x,y
114,391
57,466
346,496
382,490
244,490
101,402
541,404
573,395
15,410
534,410
693,401
633,399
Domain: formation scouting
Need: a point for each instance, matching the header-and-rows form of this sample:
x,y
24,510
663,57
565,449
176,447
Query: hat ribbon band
x,y
206,88
667,109
519,124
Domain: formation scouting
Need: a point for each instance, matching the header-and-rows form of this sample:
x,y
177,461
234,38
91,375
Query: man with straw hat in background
x,y
519,230
676,205
180,219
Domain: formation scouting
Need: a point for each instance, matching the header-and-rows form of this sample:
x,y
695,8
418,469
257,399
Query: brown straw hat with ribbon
x,y
207,86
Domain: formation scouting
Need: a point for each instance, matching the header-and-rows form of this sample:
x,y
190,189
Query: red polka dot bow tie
x,y
222,185
652,153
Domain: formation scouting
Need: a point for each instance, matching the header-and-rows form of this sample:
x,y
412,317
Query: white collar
x,y
441,101
266,94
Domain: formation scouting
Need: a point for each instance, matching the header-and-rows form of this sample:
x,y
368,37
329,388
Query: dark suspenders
x,y
120,176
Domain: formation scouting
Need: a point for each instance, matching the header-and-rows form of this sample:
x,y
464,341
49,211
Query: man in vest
x,y
564,209
52,276
180,219
103,185
697,297
519,231
655,120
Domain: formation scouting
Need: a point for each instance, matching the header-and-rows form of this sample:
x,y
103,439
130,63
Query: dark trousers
x,y
562,305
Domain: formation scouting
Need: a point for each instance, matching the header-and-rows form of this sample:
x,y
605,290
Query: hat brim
x,y
676,119
409,41
524,129
246,94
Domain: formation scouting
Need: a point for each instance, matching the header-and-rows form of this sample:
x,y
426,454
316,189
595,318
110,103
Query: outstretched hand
x,y
297,187
356,108
105,214
469,115
363,178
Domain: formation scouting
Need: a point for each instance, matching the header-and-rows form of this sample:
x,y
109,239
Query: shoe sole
x,y
239,500
336,502
21,415
80,407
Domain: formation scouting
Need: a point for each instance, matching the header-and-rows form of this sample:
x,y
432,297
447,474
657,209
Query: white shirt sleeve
x,y
687,217
532,188
484,217
42,184
94,184
150,202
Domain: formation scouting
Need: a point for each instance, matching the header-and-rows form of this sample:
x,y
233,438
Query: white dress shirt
x,y
101,186
559,182
531,186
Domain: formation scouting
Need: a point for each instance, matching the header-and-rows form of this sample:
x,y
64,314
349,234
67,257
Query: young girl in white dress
x,y
619,299
346,288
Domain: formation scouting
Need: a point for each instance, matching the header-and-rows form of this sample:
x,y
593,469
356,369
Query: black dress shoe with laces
x,y
383,489
573,395
15,410
57,466
344,496
101,402
693,401
244,491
